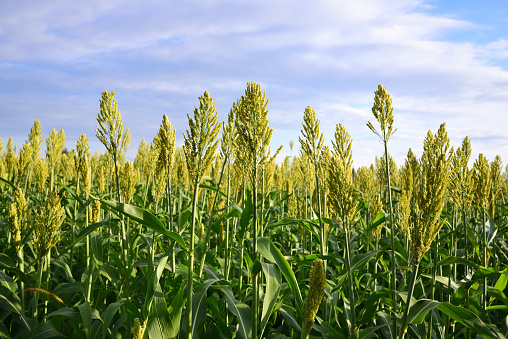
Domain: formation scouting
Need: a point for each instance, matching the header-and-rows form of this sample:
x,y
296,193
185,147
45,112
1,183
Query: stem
x,y
21,265
433,286
206,244
255,294
392,241
305,332
403,327
484,260
40,268
352,302
190,278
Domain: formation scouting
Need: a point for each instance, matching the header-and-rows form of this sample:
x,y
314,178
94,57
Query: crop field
x,y
215,239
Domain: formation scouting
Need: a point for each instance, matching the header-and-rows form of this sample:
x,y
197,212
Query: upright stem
x,y
403,327
190,278
21,266
35,308
206,243
255,294
392,242
484,260
352,329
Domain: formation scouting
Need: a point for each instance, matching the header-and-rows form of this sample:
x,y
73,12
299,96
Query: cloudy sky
x,y
441,61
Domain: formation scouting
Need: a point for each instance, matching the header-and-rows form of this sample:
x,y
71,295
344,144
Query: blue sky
x,y
441,61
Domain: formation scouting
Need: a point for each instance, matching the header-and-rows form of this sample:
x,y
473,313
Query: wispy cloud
x,y
159,56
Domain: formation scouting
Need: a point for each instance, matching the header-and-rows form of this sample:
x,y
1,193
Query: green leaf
x,y
43,330
242,312
246,215
380,218
470,320
456,260
83,234
199,308
158,325
5,181
273,283
146,218
109,314
359,261
418,311
86,317
267,249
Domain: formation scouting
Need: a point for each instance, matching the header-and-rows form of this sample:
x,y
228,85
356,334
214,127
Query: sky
x,y
440,60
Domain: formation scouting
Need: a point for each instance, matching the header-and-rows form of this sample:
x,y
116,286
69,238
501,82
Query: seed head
x,y
383,112
201,138
317,286
48,220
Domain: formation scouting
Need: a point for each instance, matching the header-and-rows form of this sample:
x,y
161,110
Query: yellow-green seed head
x,y
47,222
317,286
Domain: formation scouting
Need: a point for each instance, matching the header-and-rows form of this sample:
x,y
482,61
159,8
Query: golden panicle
x,y
110,128
430,180
45,292
19,217
182,174
293,206
25,159
229,135
55,143
253,132
317,286
47,222
35,140
82,162
139,329
496,185
129,177
383,112
481,181
41,172
166,139
365,182
141,160
11,160
200,141
94,212
340,176
313,140
160,175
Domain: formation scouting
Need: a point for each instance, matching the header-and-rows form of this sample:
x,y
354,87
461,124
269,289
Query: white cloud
x,y
160,56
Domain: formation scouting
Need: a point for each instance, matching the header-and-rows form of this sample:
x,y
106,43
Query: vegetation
x,y
215,239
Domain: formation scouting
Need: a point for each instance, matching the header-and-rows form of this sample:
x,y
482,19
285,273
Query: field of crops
x,y
215,239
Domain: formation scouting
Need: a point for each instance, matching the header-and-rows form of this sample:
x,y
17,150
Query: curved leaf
x,y
145,217
267,249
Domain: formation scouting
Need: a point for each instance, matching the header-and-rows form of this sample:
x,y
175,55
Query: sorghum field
x,y
215,240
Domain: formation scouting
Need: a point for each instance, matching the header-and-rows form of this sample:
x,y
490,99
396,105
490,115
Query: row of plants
x,y
216,239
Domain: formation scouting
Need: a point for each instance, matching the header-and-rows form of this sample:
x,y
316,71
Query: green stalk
x,y
21,266
206,244
392,239
433,287
352,328
190,278
228,253
403,327
466,267
484,260
305,332
35,308
255,287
